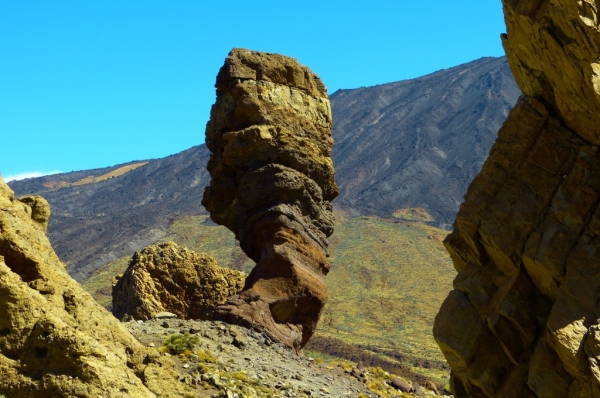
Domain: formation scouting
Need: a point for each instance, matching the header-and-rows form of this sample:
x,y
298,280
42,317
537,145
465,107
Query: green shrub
x,y
180,343
206,356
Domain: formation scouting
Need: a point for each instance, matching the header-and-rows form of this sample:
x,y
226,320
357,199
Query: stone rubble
x,y
260,367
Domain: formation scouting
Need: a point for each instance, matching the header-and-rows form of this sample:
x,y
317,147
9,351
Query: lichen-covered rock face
x,y
272,184
170,278
523,319
553,48
55,341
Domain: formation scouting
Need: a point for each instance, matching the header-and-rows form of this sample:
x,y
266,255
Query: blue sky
x,y
88,84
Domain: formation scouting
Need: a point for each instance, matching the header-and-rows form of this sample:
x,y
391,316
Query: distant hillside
x,y
419,143
407,150
95,223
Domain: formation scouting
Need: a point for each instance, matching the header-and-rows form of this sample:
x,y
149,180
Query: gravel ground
x,y
231,361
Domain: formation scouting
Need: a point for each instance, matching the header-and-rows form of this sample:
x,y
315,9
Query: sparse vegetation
x,y
99,284
413,214
205,356
200,234
387,282
340,349
180,344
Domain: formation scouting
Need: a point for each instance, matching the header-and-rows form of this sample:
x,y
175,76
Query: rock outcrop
x,y
523,319
55,341
170,278
272,184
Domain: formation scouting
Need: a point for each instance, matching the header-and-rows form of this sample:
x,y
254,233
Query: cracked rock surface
x,y
523,319
169,278
272,184
55,340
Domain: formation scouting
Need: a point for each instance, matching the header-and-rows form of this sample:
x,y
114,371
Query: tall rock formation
x,y
523,319
272,184
167,277
55,341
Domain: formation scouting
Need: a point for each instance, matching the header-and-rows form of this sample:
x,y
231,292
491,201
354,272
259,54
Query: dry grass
x,y
91,179
115,173
413,214
55,184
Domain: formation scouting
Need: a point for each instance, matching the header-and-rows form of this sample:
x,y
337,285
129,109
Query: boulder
x,y
272,181
168,279
416,389
358,372
431,386
523,317
400,384
55,340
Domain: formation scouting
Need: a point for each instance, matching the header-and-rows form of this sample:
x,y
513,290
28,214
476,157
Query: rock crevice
x,y
523,318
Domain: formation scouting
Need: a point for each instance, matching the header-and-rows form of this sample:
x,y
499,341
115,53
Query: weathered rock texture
x,y
523,319
55,341
272,183
167,277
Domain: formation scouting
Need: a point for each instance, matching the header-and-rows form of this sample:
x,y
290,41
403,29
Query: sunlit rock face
x,y
169,278
55,340
523,318
272,184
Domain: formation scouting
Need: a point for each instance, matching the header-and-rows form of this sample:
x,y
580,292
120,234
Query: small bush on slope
x,y
180,343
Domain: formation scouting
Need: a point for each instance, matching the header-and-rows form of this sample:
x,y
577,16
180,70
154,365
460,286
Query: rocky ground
x,y
231,361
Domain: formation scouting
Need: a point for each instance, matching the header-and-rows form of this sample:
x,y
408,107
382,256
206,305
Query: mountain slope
x,y
96,223
415,143
419,143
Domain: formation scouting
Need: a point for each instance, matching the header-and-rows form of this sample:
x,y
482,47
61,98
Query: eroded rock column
x,y
523,320
272,184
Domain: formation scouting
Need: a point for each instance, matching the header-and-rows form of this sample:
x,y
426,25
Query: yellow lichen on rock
x,y
553,48
170,278
523,318
55,341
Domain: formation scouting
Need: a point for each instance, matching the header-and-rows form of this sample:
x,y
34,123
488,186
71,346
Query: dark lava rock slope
x,y
94,224
419,142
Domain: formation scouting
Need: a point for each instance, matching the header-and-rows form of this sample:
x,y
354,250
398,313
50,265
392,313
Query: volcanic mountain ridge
x,y
414,144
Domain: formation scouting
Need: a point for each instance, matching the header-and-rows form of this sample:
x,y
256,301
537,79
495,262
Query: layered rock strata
x,y
272,184
523,319
170,278
55,341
